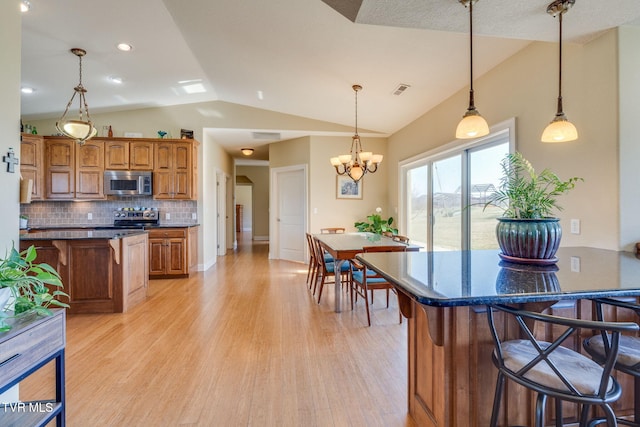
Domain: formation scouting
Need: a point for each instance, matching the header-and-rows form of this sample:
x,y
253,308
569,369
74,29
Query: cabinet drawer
x,y
27,348
168,233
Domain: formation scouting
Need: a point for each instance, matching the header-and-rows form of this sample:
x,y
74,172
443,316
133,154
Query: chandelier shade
x,y
357,163
81,129
560,129
472,125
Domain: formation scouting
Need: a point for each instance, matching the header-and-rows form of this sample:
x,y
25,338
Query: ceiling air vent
x,y
400,88
266,135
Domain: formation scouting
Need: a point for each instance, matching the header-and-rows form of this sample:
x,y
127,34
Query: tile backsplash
x,y
68,213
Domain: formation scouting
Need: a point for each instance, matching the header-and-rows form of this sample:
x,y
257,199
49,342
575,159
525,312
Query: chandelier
x,y
81,130
560,129
357,163
472,125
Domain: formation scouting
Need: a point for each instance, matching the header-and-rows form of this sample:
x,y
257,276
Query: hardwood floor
x,y
243,344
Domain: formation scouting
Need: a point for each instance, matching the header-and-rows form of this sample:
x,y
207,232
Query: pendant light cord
x,y
471,97
560,64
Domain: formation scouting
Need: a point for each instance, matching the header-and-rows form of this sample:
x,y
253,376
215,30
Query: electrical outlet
x,y
575,226
167,215
89,216
194,215
575,264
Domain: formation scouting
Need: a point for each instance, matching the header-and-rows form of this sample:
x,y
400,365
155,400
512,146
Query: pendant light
x,y
472,125
357,163
81,130
560,129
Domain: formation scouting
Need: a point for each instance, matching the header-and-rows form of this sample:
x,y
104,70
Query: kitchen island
x,y
445,296
103,271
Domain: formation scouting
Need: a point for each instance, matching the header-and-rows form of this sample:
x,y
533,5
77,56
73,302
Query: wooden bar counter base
x,y
445,295
103,271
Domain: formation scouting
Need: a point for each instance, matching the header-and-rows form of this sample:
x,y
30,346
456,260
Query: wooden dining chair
x,y
364,280
552,368
312,260
332,230
326,270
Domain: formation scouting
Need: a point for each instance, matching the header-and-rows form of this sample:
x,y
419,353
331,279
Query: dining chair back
x,y
332,230
552,368
364,280
628,361
326,269
401,239
312,260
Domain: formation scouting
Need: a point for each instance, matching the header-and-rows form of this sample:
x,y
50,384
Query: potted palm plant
x,y
528,232
26,287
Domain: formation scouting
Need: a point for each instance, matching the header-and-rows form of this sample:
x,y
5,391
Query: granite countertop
x,y
79,234
463,278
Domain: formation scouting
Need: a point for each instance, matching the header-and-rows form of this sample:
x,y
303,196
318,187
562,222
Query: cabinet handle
x,y
15,356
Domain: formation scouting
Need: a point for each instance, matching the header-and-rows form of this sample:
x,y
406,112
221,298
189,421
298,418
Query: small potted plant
x,y
528,232
26,287
376,224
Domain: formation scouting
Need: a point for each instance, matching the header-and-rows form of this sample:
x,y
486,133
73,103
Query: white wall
x,y
243,197
629,92
10,37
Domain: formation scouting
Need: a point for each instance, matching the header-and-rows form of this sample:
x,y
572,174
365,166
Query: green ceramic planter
x,y
529,239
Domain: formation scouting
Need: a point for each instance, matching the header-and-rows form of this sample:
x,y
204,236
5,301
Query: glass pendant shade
x,y
356,172
76,129
560,130
472,125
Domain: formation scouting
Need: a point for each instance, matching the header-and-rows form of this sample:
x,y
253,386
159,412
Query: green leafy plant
x,y
33,287
523,193
376,224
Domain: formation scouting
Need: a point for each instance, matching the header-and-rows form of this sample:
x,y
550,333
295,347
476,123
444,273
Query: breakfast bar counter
x,y
445,295
103,271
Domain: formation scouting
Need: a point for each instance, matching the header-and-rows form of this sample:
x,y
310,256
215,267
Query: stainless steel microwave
x,y
127,183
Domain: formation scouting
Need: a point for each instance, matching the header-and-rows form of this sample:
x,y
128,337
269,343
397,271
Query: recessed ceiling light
x,y
27,90
25,6
115,79
125,47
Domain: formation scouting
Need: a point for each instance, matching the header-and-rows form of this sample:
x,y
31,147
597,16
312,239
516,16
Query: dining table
x,y
345,246
445,295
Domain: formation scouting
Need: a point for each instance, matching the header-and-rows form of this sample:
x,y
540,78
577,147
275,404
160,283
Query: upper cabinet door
x,y
59,168
90,170
141,155
116,155
31,166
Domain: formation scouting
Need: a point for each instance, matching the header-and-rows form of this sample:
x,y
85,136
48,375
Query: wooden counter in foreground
x,y
103,271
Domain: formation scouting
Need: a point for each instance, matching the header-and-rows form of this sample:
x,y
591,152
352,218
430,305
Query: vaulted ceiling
x,y
292,56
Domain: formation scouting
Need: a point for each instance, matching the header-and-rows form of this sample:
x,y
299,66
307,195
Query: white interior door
x,y
291,213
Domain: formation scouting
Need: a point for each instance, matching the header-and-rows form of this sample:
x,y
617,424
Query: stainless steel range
x,y
135,217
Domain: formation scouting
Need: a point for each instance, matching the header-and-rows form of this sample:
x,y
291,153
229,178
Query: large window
x,y
444,194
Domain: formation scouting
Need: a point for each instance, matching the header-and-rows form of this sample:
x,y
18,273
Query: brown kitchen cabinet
x,y
128,155
31,163
173,172
172,251
59,168
90,170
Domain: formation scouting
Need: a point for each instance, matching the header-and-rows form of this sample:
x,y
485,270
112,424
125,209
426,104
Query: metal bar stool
x,y
598,347
551,369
